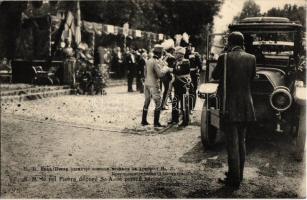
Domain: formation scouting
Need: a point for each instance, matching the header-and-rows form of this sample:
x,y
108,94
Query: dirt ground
x,y
94,147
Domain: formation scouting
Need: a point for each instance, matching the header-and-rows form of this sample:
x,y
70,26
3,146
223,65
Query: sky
x,y
231,8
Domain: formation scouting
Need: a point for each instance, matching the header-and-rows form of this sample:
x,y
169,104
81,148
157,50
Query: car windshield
x,y
272,47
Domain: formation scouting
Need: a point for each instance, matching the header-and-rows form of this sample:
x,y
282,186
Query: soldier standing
x,y
195,68
181,84
235,71
153,73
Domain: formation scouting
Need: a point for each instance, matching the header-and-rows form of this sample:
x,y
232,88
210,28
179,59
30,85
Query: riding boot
x,y
156,119
144,118
175,116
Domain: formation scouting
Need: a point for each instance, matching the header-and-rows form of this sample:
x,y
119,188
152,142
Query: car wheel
x,y
56,81
44,81
301,136
208,132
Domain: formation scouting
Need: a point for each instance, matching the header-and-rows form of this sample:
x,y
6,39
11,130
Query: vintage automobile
x,y
279,88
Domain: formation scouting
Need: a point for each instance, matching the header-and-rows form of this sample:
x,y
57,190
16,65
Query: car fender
x,y
300,96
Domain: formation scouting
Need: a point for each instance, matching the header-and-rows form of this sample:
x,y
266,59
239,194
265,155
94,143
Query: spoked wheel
x,y
56,81
208,132
42,81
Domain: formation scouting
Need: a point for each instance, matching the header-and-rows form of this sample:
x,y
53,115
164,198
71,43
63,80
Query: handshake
x,y
166,69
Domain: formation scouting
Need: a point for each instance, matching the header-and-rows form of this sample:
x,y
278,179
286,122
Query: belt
x,y
193,69
183,76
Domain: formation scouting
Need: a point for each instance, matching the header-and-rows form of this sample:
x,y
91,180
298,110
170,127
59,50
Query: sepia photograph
x,y
153,99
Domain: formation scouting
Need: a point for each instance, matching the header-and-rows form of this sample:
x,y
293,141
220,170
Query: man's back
x,y
152,72
241,69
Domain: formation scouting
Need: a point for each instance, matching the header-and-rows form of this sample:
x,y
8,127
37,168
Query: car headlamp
x,y
281,99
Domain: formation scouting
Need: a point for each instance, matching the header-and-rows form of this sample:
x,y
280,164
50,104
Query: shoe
x,y
226,181
182,124
172,122
156,119
159,125
145,123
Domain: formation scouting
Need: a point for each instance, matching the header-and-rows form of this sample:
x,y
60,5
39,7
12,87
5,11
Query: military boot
x,y
156,119
144,118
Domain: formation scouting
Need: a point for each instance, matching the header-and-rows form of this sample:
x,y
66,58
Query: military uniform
x,y
167,79
182,79
196,66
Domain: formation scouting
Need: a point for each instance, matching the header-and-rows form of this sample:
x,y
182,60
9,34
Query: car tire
x,y
301,136
56,81
208,132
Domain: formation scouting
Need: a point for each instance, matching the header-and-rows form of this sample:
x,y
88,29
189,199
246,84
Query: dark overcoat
x,y
240,71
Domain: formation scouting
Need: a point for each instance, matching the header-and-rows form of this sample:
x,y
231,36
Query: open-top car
x,y
279,88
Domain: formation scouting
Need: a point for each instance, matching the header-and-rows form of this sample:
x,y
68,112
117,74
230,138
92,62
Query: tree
x,y
160,16
293,12
250,9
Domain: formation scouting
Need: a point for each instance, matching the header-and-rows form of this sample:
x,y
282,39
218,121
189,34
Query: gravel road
x,y
94,147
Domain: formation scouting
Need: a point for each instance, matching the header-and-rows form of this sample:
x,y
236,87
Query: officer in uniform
x,y
181,72
166,80
153,72
196,66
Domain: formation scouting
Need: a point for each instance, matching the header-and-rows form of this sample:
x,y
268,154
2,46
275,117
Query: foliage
x,y
250,9
160,16
293,12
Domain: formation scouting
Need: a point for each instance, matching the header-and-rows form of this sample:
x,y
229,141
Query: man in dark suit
x,y
237,104
130,64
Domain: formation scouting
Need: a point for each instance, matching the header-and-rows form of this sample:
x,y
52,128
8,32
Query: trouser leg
x,y
175,105
233,153
242,148
146,105
193,88
138,83
166,86
130,79
155,92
